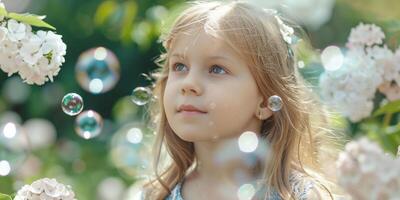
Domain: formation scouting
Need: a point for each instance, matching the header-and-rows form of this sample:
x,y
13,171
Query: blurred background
x,y
44,142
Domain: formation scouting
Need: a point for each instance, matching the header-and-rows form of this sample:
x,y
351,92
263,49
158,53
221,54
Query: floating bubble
x,y
72,104
5,168
249,152
131,148
274,103
246,192
141,96
301,64
96,85
332,58
9,130
97,70
14,146
88,124
134,135
248,142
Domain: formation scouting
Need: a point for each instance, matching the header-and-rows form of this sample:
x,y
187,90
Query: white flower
x,y
366,172
36,57
52,42
8,45
368,66
45,189
32,74
16,30
3,33
30,50
351,88
365,35
7,62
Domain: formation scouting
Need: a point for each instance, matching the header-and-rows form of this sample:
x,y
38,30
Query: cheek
x,y
168,99
240,101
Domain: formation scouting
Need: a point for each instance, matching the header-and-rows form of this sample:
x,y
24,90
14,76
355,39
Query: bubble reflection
x,y
97,70
131,150
88,124
72,104
5,168
248,142
141,96
246,192
332,58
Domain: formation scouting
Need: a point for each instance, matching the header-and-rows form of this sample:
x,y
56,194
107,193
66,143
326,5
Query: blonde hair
x,y
297,134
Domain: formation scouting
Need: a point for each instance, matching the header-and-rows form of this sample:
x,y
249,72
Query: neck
x,y
222,162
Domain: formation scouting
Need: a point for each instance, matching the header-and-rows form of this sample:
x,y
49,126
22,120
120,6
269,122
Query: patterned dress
x,y
300,189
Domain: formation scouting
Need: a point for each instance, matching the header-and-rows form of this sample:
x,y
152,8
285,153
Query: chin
x,y
192,136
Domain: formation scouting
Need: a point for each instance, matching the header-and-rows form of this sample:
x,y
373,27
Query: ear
x,y
262,111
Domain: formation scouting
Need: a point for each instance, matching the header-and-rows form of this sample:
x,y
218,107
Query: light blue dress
x,y
300,190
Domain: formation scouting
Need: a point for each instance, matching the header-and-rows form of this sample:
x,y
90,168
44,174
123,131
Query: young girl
x,y
228,71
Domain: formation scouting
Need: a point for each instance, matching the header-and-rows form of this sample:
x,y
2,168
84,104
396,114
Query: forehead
x,y
202,42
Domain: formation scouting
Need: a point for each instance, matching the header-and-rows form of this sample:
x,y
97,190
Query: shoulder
x,y
313,194
304,187
175,192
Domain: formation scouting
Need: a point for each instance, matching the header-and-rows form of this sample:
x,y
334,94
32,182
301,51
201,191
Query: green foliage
x,y
31,19
5,197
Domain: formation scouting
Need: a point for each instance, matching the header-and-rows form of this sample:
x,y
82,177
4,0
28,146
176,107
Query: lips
x,y
190,108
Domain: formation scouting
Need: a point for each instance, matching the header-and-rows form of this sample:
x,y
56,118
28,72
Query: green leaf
x,y
3,11
34,20
4,197
391,107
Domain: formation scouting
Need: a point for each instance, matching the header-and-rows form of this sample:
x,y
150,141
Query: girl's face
x,y
206,75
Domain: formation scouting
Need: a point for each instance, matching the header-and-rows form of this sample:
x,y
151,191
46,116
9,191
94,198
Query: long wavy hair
x,y
298,134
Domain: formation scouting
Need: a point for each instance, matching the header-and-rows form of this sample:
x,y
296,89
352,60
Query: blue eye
x,y
179,67
217,70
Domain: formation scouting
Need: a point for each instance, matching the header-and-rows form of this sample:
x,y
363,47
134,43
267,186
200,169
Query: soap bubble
x,y
97,70
131,148
332,58
88,124
5,168
246,192
14,146
72,104
248,142
141,96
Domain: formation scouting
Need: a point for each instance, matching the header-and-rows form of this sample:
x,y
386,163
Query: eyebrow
x,y
211,57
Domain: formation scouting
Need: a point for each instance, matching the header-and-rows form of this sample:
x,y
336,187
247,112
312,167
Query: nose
x,y
191,84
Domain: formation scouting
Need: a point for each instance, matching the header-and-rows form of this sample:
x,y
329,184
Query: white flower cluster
x,y
45,189
367,173
368,65
36,57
